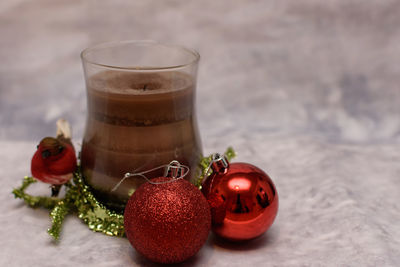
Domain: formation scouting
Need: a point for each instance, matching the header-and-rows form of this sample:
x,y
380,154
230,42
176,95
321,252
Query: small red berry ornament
x,y
243,199
54,160
167,220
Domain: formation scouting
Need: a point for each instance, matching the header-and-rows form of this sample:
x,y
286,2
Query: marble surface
x,y
306,90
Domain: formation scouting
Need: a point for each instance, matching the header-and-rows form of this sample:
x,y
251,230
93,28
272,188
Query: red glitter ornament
x,y
167,222
244,196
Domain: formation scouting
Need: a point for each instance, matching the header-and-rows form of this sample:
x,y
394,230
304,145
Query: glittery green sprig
x,y
80,200
34,201
57,215
93,213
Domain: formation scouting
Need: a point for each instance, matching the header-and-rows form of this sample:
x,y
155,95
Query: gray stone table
x,y
307,90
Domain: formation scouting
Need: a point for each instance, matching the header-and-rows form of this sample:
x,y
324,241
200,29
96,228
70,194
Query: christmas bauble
x,y
167,222
243,199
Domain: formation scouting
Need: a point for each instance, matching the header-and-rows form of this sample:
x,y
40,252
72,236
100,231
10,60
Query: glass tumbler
x,y
140,114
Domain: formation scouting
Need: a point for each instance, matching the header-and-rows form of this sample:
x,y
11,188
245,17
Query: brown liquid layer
x,y
140,99
139,139
107,168
116,164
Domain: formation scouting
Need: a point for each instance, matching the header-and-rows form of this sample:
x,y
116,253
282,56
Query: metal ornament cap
x,y
243,200
174,170
219,163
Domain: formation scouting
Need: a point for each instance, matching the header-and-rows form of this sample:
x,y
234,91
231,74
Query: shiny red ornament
x,y
54,161
167,222
244,196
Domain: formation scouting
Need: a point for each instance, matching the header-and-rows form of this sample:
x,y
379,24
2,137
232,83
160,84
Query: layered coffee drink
x,y
137,121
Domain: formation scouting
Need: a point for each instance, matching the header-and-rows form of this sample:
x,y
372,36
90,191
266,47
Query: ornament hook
x,y
219,163
174,170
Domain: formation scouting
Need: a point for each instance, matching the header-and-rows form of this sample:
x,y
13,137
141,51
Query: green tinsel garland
x,y
79,199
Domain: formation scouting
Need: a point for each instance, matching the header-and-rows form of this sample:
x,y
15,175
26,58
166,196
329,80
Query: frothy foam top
x,y
139,83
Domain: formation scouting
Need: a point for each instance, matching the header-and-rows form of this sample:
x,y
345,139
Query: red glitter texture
x,y
169,222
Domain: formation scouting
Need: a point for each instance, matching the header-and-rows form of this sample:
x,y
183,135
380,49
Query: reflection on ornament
x,y
242,197
239,185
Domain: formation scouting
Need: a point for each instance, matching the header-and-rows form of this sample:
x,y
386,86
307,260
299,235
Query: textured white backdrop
x,y
307,90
